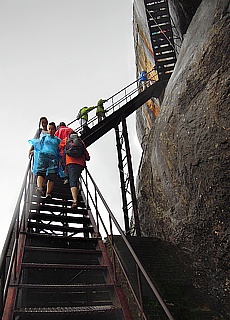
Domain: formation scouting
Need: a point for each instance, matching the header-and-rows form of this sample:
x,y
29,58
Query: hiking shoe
x,y
39,192
74,205
48,196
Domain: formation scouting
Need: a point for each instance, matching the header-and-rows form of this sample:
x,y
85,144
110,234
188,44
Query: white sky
x,y
55,57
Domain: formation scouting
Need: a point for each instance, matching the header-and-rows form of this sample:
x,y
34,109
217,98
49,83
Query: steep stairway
x,y
64,274
161,34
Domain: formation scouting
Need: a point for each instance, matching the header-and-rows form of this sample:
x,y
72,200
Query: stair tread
x,y
58,227
59,249
77,239
162,61
165,53
86,309
158,27
62,266
159,39
58,209
57,218
162,47
159,5
66,286
57,201
159,18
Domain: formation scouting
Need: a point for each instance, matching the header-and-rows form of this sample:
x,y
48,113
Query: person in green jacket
x,y
83,114
83,117
100,112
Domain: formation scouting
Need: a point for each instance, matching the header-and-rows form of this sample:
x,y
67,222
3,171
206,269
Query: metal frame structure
x,y
161,34
127,179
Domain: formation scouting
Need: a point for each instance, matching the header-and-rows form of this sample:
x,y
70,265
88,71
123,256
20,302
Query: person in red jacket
x,y
63,131
74,166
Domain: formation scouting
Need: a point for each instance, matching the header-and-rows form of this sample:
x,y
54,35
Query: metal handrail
x,y
9,255
116,104
139,266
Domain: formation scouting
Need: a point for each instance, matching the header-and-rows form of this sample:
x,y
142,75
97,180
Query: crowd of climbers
x,y
49,146
50,158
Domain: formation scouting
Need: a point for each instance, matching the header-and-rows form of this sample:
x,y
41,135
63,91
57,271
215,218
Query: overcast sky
x,y
55,57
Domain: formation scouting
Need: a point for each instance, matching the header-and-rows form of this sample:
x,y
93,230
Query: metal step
x,y
81,313
159,19
155,12
165,69
159,34
165,54
66,286
52,227
34,295
50,208
162,47
59,273
60,255
160,26
67,250
59,202
59,194
160,40
53,241
58,218
62,266
60,191
157,5
165,61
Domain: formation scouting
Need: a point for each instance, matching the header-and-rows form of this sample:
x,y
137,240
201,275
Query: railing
x,y
103,217
9,256
120,98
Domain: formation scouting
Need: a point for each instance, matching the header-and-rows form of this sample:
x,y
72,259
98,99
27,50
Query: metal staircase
x,y
63,273
121,108
55,264
161,34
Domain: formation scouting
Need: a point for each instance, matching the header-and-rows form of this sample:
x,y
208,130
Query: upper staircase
x,y
122,108
161,34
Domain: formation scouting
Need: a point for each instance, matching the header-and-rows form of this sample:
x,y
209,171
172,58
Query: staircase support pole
x,y
122,181
131,178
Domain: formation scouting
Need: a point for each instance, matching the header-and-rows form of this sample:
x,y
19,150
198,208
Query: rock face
x,y
182,12
183,182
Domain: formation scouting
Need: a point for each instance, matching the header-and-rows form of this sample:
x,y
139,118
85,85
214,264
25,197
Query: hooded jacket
x,y
83,113
100,107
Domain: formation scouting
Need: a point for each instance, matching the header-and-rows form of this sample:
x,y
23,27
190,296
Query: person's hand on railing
x,y
31,153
